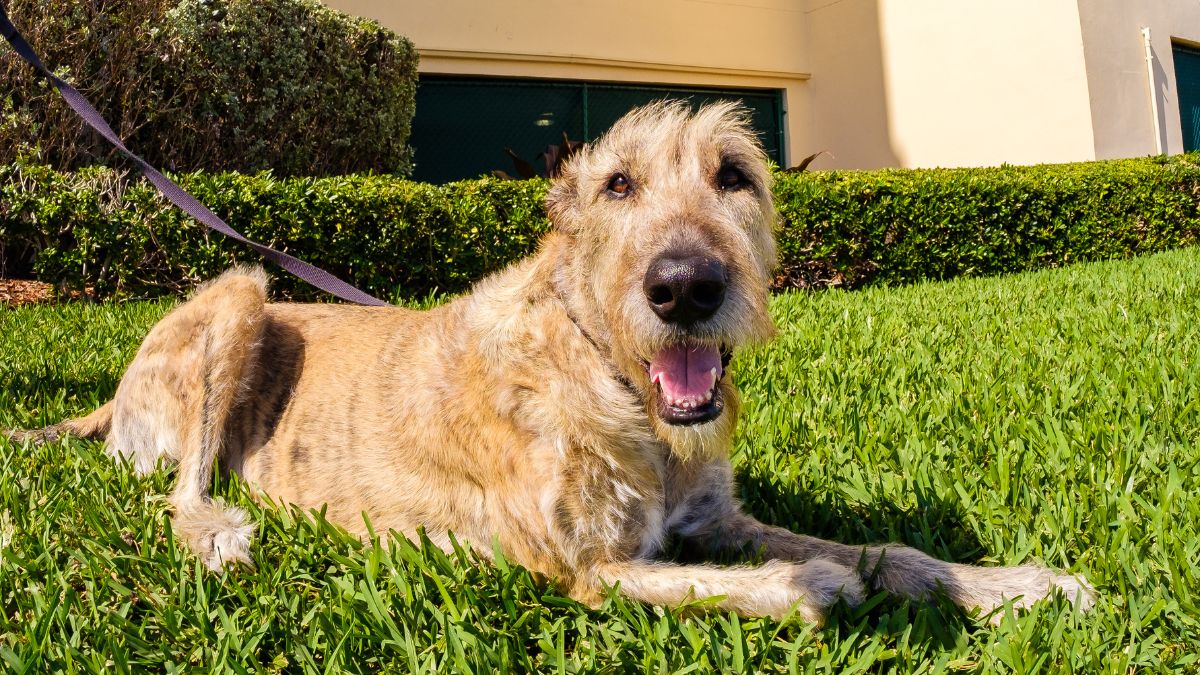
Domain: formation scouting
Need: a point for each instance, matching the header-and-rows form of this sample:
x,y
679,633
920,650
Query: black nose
x,y
685,289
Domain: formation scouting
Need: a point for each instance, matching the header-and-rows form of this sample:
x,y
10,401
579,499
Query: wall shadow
x,y
848,89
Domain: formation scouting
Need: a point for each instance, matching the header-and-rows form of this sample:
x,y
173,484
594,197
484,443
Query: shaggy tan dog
x,y
576,408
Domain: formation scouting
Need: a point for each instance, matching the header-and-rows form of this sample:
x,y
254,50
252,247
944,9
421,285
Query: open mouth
x,y
687,377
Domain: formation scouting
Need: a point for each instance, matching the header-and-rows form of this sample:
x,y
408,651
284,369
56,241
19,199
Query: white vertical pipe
x,y
1158,139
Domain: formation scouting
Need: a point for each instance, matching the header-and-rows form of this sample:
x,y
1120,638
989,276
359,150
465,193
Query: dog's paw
x,y
1076,589
1038,583
1026,584
814,587
229,547
217,534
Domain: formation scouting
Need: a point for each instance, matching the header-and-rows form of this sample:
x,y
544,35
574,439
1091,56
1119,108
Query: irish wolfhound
x,y
576,408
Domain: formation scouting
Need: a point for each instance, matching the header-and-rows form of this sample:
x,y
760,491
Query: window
x,y
1187,80
462,126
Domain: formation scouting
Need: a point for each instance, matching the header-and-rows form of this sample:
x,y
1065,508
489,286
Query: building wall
x,y
850,112
876,83
1119,81
923,83
742,43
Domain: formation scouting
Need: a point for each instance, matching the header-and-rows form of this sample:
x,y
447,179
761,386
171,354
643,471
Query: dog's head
x,y
670,223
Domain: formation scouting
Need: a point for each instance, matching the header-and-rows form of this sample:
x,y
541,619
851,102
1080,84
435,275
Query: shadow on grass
x,y
935,526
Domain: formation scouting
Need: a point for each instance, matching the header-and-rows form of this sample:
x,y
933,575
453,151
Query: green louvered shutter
x,y
1187,79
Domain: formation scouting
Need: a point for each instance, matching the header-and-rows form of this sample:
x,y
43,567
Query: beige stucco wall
x,y
949,83
921,83
877,83
742,43
1119,80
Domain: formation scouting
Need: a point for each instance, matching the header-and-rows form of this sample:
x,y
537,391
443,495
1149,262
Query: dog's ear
x,y
561,204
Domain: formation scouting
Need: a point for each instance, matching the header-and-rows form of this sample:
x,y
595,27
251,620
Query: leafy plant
x,y
553,158
804,163
243,85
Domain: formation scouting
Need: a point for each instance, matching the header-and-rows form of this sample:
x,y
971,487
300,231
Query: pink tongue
x,y
685,372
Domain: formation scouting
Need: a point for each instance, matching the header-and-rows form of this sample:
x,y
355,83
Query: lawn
x,y
1051,416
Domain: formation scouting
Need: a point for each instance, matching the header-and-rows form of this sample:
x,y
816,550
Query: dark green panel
x,y
607,103
1187,81
463,125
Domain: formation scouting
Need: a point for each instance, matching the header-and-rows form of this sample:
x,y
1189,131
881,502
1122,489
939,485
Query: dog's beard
x,y
702,441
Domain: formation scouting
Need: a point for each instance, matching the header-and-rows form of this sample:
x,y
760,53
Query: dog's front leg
x,y
773,589
900,569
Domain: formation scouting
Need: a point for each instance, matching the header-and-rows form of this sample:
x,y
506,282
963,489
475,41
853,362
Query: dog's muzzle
x,y
683,290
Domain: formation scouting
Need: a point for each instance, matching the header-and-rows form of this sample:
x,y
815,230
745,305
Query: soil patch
x,y
17,292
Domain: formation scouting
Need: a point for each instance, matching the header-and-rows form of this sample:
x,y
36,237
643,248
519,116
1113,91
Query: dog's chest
x,y
611,505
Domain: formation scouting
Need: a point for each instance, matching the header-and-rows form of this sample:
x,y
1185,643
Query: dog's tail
x,y
94,426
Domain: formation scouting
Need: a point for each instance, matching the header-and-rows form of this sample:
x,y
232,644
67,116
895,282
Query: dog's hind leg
x,y
175,399
230,317
174,402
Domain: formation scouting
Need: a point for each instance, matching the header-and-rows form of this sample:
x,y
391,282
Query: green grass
x,y
1052,416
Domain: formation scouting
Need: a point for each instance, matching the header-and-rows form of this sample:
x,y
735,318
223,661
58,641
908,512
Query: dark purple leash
x,y
192,206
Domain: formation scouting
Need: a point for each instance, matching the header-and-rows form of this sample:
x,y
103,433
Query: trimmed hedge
x,y
215,85
397,238
899,226
391,237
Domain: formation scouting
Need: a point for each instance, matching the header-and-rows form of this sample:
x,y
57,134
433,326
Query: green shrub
x,y
898,226
216,85
387,235
395,237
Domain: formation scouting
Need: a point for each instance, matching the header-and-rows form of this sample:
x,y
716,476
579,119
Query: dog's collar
x,y
605,354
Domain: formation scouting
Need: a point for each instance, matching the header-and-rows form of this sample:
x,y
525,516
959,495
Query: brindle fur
x,y
522,413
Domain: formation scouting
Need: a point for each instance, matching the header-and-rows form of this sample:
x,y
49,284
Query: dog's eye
x,y
619,184
729,178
